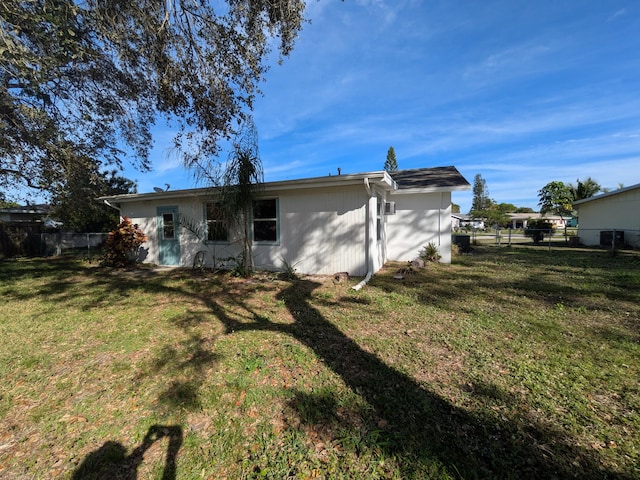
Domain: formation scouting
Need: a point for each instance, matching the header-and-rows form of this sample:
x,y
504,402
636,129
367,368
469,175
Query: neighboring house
x,y
618,210
27,216
521,220
19,227
347,223
456,219
463,220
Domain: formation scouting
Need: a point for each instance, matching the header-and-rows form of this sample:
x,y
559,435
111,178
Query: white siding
x,y
144,214
613,212
321,231
419,220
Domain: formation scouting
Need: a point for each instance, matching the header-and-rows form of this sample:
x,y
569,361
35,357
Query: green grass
x,y
510,363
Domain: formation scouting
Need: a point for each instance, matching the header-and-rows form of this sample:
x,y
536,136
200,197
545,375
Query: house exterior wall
x,y
321,231
614,212
144,214
420,218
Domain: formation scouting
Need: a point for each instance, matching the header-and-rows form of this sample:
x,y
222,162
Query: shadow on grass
x,y
110,461
422,429
563,275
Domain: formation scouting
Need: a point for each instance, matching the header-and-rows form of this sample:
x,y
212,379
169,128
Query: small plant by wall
x,y
430,253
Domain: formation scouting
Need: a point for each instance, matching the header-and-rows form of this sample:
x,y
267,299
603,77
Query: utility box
x,y
462,241
606,238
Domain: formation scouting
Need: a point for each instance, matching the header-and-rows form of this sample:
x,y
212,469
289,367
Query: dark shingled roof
x,y
438,177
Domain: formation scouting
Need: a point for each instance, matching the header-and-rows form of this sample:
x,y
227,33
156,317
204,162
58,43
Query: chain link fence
x,y
21,242
606,238
62,243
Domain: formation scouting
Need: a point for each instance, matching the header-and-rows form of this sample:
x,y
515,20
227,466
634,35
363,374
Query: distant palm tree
x,y
584,189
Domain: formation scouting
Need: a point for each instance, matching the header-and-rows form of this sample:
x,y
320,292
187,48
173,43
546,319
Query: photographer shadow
x,y
111,461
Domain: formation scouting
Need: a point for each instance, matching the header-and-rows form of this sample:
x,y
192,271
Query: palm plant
x,y
242,182
584,189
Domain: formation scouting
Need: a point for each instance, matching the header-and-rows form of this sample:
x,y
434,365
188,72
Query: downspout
x,y
106,202
440,222
369,273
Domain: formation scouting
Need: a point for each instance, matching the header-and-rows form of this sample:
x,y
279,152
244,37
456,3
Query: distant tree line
x,y
555,198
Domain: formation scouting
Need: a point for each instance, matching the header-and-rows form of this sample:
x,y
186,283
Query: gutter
x,y
369,273
108,204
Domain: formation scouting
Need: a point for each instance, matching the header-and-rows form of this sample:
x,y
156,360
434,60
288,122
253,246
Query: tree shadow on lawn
x,y
417,426
534,273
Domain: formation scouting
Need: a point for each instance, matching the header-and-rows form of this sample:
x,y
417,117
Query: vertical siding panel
x,y
419,219
321,231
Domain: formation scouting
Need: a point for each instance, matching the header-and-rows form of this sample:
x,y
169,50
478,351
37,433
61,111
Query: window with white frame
x,y
217,229
265,220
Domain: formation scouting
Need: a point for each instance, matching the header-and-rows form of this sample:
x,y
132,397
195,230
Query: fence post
x,y
613,242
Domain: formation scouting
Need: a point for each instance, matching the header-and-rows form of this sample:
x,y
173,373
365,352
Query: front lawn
x,y
514,362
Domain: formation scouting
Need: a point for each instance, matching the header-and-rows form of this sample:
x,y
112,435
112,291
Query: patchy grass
x,y
510,363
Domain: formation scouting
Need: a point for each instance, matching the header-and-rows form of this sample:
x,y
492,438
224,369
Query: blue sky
x,y
521,93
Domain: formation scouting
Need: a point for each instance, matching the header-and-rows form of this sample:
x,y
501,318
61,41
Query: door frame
x,y
168,248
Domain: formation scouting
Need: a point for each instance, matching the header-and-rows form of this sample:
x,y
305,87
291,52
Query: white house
x,y
346,223
617,211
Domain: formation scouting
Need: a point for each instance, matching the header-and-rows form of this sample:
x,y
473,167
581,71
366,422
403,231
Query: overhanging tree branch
x,y
102,71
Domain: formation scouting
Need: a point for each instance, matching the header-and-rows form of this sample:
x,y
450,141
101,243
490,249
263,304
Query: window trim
x,y
173,225
270,219
206,226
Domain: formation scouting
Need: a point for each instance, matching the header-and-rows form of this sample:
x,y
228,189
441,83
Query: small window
x,y
168,226
265,220
217,230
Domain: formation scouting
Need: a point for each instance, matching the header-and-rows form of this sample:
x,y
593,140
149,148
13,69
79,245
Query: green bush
x,y
430,253
537,229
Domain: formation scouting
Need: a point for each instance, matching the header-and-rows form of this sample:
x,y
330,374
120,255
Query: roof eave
x,y
606,195
380,178
456,188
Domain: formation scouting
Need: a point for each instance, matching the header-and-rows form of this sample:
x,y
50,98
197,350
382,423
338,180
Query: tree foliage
x,y
4,203
524,210
584,189
241,183
86,80
74,203
538,228
481,201
391,164
556,198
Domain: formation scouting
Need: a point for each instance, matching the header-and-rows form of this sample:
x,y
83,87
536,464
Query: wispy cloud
x,y
521,95
618,13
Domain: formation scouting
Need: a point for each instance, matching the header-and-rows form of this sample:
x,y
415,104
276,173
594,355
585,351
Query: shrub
x,y
122,243
537,229
430,253
289,271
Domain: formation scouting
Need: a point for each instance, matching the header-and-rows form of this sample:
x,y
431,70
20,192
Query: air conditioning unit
x,y
389,208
